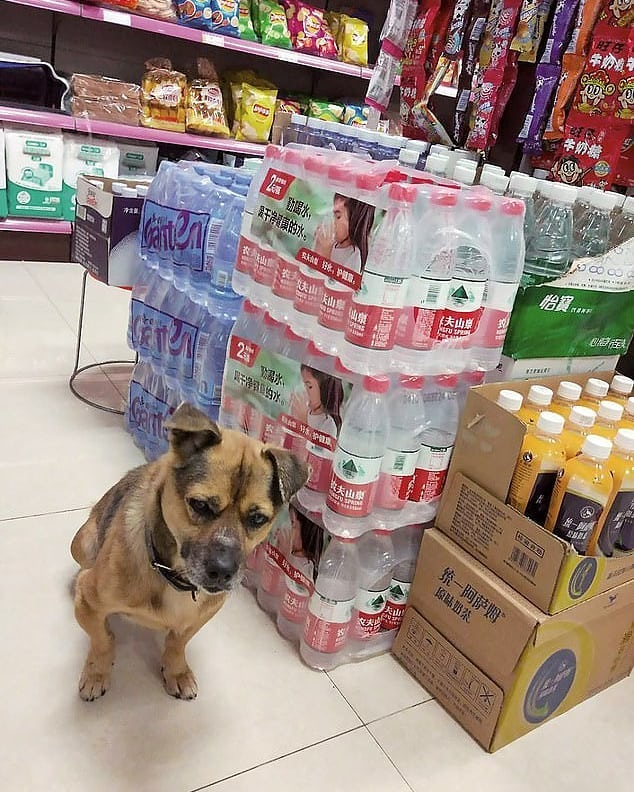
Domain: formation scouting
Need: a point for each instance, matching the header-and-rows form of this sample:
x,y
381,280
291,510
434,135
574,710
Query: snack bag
x,y
158,9
354,41
309,30
355,115
217,16
205,110
272,26
325,111
257,108
234,94
334,23
163,96
247,31
287,106
589,154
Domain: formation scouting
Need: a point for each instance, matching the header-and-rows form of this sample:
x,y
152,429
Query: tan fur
x,y
116,576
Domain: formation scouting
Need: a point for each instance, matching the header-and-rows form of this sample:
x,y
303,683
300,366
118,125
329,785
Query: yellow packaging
x,y
568,394
163,96
354,41
620,507
205,108
539,398
257,108
581,494
627,422
541,459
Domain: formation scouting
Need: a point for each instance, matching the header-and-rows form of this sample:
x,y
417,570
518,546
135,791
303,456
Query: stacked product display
x,y
183,307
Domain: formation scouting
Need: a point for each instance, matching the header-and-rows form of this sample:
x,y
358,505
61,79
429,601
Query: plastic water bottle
x,y
327,624
359,455
139,327
376,561
623,224
522,186
406,543
293,606
211,353
376,307
433,261
407,421
183,344
440,397
591,234
270,584
135,411
160,297
507,261
549,249
227,247
496,181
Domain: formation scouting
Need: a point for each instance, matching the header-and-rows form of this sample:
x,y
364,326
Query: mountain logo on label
x,y
461,295
397,592
351,470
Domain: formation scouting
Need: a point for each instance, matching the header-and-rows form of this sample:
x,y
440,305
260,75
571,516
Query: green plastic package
x,y
270,24
325,111
247,31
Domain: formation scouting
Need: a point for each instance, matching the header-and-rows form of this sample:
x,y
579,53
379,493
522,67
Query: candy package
x,y
247,31
270,23
158,9
607,80
205,109
325,111
309,30
163,96
589,154
353,40
218,16
257,108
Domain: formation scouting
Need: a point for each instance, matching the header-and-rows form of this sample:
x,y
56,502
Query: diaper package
x,y
89,156
35,161
136,159
4,209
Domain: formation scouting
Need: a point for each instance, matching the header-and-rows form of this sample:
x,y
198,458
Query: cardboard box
x,y
496,663
105,232
473,510
587,312
509,369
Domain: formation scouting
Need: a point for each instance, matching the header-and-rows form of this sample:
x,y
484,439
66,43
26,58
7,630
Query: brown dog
x,y
166,544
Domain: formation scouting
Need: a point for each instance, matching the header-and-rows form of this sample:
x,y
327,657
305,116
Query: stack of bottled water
x,y
183,307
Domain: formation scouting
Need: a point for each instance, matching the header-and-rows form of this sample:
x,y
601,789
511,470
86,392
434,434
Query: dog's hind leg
x,y
93,617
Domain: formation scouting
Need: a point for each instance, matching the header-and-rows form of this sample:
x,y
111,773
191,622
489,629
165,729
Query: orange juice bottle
x,y
581,494
538,399
608,416
620,509
509,400
620,389
594,391
627,421
568,393
541,458
577,428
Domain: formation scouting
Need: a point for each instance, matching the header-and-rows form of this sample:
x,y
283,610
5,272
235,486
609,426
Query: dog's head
x,y
221,493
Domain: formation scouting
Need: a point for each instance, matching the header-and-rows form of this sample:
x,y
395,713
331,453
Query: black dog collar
x,y
175,580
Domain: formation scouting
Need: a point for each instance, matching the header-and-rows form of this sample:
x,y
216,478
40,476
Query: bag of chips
x,y
257,108
271,25
163,96
325,111
355,115
309,30
353,35
288,106
217,16
205,110
158,9
247,31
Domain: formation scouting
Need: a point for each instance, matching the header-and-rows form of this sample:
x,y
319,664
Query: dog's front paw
x,y
93,683
181,686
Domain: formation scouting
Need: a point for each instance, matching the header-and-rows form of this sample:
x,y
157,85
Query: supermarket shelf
x,y
55,120
61,6
35,226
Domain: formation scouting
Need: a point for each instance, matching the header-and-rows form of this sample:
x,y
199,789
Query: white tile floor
x,y
262,720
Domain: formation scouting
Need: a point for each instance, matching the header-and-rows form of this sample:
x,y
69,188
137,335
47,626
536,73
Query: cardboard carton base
x,y
511,369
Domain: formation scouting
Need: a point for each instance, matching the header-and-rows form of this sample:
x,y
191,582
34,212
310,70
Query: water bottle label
x,y
496,314
267,432
375,311
621,514
319,469
142,325
265,266
335,305
245,259
271,573
294,604
326,627
462,312
243,351
353,483
177,234
399,463
426,301
368,613
308,293
577,518
285,281
211,243
431,473
396,603
147,413
333,271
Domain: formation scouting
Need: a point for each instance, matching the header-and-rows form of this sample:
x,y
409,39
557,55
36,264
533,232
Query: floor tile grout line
x,y
398,712
343,696
388,757
278,758
44,514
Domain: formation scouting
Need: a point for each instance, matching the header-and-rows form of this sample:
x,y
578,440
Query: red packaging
x,y
474,38
625,165
587,14
589,154
571,71
606,70
615,15
413,77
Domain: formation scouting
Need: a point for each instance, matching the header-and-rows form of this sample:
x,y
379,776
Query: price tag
x,y
116,17
214,39
288,55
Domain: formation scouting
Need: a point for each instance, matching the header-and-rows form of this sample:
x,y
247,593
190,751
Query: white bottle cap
x,y
439,148
128,192
465,172
521,184
582,416
563,193
610,411
546,188
417,145
569,391
298,119
510,400
624,440
602,200
408,157
599,447
489,168
117,188
539,394
597,387
437,162
541,174
621,384
629,407
550,423
495,180
142,190
628,205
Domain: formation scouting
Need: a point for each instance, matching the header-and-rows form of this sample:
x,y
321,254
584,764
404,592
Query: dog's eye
x,y
201,507
257,520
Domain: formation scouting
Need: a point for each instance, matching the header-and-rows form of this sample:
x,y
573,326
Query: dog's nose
x,y
222,564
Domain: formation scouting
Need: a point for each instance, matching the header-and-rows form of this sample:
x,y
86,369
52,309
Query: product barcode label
x,y
523,561
211,243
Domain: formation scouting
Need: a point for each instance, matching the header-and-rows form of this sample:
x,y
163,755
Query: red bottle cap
x,y
378,384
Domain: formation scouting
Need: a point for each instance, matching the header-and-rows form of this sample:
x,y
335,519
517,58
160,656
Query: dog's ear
x,y
190,431
289,473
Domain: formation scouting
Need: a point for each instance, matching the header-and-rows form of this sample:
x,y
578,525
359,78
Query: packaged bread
x,y
163,96
205,109
94,86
